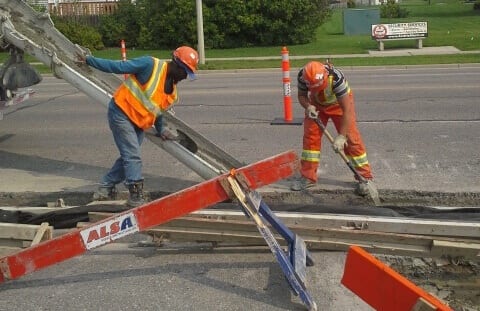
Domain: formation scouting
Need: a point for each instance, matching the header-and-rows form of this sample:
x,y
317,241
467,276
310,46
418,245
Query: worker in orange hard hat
x,y
139,104
324,93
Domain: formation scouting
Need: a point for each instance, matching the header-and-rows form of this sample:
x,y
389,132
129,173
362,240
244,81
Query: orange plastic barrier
x,y
383,288
123,50
287,94
287,89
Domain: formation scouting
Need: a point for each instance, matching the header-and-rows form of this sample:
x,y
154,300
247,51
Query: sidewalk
x,y
438,50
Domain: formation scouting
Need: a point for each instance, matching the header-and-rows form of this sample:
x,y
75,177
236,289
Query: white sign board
x,y
109,230
400,30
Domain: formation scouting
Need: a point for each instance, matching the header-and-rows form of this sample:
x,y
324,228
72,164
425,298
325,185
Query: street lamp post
x,y
201,47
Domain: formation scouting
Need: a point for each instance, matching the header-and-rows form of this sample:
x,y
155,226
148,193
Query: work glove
x,y
312,112
162,131
339,143
81,55
166,134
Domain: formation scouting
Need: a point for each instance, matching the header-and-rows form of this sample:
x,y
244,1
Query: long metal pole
x,y
201,47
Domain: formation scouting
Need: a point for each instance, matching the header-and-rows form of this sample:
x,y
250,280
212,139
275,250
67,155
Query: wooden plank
x,y
17,231
35,209
201,236
82,224
392,243
19,236
456,248
192,222
111,202
12,242
324,239
44,233
365,223
97,216
367,236
446,228
7,250
246,233
246,239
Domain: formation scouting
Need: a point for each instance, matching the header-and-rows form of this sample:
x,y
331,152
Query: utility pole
x,y
201,47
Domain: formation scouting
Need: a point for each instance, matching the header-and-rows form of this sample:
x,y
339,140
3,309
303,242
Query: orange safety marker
x,y
383,288
123,50
140,218
287,89
287,94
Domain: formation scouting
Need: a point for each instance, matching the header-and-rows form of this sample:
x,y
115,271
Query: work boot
x,y
135,197
302,183
105,193
363,188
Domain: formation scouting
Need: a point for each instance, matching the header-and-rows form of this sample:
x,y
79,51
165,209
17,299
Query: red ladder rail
x,y
143,217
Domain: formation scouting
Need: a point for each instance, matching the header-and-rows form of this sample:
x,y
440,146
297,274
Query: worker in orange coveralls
x,y
324,93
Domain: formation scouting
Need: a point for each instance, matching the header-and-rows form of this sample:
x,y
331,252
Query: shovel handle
x,y
342,155
322,127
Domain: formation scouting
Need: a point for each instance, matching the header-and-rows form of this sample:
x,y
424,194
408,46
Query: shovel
x,y
371,189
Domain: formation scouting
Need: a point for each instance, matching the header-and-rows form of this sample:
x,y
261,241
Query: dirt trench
x,y
454,281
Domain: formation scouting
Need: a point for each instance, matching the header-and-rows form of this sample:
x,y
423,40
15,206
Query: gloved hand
x,y
80,58
81,55
159,125
339,143
312,112
166,134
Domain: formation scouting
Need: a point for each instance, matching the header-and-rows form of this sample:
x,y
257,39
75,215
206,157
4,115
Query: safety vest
x,y
142,103
325,97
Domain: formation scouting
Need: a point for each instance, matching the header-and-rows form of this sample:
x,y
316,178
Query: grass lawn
x,y
450,23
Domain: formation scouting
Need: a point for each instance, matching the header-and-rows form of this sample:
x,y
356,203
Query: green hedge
x,y
166,24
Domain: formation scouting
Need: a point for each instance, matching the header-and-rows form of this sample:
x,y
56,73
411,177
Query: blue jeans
x,y
128,138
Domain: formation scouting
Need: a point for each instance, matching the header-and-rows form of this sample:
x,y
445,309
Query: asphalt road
x,y
420,125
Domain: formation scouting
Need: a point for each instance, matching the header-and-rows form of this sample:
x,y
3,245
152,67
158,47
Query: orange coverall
x,y
328,106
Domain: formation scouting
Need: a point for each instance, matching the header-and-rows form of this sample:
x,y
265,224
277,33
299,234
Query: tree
x,y
166,24
266,23
124,24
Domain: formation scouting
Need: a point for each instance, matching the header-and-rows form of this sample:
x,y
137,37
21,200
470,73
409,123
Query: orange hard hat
x,y
187,58
315,75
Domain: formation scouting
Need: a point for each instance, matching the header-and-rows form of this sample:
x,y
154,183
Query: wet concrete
x,y
296,200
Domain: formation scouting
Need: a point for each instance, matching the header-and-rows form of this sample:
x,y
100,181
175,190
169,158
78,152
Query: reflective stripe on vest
x,y
145,96
143,103
327,97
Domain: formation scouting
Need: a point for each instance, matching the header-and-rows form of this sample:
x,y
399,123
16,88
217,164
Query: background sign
x,y
400,30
